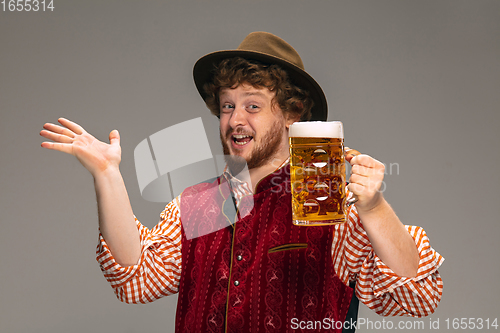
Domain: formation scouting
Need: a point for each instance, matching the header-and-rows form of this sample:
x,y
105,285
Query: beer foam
x,y
317,129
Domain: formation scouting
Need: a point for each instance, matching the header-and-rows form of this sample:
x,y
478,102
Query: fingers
x,y
59,129
362,159
77,129
64,147
352,199
366,178
365,160
56,137
361,170
358,179
63,137
364,184
364,166
367,175
356,188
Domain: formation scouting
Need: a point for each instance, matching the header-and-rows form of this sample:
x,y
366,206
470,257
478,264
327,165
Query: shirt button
x,y
239,257
236,283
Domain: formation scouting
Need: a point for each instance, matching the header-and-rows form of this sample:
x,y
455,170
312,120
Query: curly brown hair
x,y
229,73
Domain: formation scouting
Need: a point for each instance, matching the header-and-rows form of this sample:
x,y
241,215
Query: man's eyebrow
x,y
254,93
249,93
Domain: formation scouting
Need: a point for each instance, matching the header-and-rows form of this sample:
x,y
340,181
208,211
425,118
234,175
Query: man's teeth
x,y
243,137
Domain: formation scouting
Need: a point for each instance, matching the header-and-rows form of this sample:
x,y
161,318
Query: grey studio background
x,y
416,84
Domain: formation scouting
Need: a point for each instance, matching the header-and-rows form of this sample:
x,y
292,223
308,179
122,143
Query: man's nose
x,y
238,117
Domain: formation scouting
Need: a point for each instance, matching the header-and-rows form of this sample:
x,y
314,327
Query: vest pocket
x,y
286,247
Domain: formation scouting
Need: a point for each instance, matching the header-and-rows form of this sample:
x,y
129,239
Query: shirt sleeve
x,y
376,284
158,270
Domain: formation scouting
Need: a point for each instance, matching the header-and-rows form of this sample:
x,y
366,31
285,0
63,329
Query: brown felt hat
x,y
268,49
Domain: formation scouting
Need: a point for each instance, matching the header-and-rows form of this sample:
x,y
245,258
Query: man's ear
x,y
290,119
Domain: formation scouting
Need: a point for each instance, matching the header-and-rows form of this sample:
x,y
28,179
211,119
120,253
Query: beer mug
x,y
317,172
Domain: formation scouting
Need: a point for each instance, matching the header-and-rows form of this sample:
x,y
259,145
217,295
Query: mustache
x,y
239,130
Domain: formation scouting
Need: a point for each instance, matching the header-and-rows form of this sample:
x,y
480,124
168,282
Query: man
x,y
259,272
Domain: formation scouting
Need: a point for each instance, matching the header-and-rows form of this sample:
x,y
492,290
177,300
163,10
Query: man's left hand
x,y
367,175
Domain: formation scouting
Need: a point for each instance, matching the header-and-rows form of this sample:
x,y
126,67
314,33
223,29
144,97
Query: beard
x,y
262,153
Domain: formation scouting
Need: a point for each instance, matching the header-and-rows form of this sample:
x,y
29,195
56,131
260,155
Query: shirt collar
x,y
241,186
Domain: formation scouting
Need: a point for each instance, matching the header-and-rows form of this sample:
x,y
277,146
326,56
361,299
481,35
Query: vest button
x,y
239,257
236,283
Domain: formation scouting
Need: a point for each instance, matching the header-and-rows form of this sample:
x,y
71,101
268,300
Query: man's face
x,y
251,127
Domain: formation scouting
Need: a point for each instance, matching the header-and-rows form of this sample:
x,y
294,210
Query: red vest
x,y
262,274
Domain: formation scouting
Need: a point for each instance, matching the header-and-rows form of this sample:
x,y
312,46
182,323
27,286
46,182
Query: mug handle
x,y
352,198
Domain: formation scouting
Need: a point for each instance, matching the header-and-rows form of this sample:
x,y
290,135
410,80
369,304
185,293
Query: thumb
x,y
350,153
114,138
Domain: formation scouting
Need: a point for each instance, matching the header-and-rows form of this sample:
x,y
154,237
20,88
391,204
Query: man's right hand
x,y
116,219
96,156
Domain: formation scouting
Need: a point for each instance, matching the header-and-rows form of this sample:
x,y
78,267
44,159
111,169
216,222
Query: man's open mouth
x,y
241,139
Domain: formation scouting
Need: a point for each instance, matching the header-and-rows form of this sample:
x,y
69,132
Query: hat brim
x,y
202,73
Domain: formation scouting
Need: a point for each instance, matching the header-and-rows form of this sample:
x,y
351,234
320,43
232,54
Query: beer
x,y
317,172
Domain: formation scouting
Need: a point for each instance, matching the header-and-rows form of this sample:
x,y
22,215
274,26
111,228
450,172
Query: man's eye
x,y
227,108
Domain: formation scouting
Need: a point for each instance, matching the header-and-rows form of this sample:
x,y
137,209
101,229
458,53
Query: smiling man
x,y
254,128
259,273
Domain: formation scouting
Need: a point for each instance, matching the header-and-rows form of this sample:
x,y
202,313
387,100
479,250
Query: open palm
x,y
96,156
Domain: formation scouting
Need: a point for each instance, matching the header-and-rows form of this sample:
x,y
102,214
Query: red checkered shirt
x,y
158,271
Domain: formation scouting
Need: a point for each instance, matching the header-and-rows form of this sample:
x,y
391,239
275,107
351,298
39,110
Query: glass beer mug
x,y
317,173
